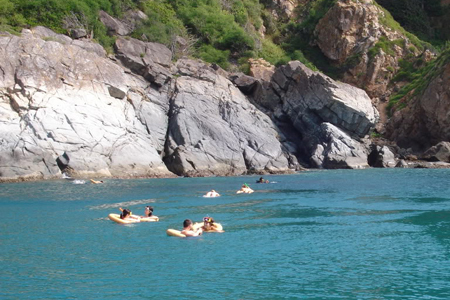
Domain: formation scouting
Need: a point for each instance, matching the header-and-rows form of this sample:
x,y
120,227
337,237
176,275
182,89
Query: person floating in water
x,y
148,214
128,215
245,189
210,226
188,229
212,193
262,180
96,181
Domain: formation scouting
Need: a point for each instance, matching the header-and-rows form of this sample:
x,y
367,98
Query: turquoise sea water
x,y
344,234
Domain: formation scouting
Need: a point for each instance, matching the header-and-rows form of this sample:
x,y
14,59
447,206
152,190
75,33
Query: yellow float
x,y
116,218
174,232
149,219
217,227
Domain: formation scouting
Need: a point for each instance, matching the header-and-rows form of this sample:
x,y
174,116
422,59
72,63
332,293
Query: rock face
x,y
215,130
425,120
261,69
382,157
58,98
282,8
354,29
61,98
346,34
440,152
331,117
66,106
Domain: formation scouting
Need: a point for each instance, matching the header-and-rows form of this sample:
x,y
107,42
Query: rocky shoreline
x,y
137,113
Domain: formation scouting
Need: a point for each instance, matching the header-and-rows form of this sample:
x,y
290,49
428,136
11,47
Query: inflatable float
x,y
209,196
245,192
174,232
177,233
116,218
217,227
149,219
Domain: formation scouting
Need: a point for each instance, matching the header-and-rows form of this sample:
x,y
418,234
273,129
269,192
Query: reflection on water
x,y
343,234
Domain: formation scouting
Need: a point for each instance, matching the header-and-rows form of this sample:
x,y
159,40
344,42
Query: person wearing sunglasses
x,y
210,226
148,214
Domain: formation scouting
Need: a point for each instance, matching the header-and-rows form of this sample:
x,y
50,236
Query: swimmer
x,y
212,193
210,226
128,215
245,189
148,214
188,229
96,181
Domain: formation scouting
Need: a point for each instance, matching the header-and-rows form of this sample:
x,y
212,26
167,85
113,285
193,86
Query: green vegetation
x,y
221,31
418,79
60,15
224,32
388,21
162,23
416,16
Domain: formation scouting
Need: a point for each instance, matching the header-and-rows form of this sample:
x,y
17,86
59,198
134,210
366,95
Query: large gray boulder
x,y
114,26
49,35
214,130
382,157
149,60
59,98
311,98
332,117
337,150
439,152
126,25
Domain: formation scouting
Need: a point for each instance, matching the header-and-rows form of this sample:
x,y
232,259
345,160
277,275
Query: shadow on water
x,y
428,199
302,191
435,223
430,218
374,199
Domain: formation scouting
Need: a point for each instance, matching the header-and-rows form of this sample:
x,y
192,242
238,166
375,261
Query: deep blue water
x,y
344,234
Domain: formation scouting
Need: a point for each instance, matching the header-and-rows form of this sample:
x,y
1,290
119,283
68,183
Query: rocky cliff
x,y
425,119
65,105
355,36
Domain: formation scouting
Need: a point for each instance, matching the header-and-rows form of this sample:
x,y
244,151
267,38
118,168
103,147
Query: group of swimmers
x,y
126,214
245,188
191,229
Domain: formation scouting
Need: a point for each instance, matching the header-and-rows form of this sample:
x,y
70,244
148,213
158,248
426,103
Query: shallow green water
x,y
345,234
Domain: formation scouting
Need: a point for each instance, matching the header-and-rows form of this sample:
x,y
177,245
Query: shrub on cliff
x,y
416,16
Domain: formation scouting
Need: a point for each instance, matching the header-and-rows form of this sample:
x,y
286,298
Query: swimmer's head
x,y
187,223
208,220
149,210
125,213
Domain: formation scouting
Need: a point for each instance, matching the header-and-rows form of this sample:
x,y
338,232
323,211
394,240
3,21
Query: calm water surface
x,y
345,234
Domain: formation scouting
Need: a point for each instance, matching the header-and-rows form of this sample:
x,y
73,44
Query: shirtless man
x,y
188,230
